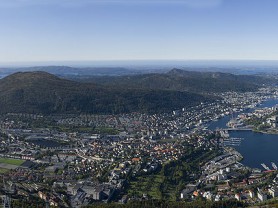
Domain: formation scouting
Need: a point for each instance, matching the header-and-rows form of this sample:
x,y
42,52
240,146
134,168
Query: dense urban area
x,y
112,160
138,104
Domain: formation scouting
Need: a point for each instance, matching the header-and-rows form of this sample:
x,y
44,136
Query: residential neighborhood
x,y
78,160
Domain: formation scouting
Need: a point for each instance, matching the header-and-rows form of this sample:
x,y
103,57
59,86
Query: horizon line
x,y
110,62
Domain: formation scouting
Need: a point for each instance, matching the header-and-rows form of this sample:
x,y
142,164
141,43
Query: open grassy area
x,y
3,170
269,203
11,161
150,185
167,183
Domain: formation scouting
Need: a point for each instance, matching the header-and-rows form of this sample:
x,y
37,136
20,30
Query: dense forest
x,y
41,92
180,80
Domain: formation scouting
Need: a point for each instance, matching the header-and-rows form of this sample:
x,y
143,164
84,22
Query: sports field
x,y
7,164
11,161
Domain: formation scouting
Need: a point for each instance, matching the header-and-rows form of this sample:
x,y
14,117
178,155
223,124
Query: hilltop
x,y
41,92
181,80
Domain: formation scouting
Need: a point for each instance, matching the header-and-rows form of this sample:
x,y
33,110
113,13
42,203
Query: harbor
x,y
273,167
256,148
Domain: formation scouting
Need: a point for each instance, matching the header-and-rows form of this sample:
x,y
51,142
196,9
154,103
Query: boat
x,y
224,134
232,141
265,167
274,165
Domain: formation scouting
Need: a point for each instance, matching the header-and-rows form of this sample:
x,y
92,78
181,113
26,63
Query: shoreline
x,y
265,132
256,131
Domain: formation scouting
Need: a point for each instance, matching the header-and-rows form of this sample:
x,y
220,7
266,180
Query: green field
x,y
147,185
3,170
169,181
11,161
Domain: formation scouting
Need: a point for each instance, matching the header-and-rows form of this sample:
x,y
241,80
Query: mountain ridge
x,y
41,92
183,81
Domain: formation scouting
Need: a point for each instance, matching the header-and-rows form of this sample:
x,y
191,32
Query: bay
x,y
256,148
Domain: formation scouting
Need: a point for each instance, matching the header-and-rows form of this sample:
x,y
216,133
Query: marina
x,y
232,141
256,148
265,167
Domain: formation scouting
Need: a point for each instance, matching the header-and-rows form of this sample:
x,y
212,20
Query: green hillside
x,y
40,92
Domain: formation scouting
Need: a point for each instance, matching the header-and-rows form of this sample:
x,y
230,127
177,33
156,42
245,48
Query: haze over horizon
x,y
150,64
93,30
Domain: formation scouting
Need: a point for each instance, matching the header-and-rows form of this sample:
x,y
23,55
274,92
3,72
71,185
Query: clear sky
x,y
76,30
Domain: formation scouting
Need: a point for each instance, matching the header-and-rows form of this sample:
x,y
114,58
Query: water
x,y
256,148
221,123
269,103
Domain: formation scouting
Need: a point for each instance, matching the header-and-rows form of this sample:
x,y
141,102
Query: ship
x,y
265,167
232,141
224,134
274,165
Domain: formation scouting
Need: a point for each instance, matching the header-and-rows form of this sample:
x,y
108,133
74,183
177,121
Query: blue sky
x,y
77,30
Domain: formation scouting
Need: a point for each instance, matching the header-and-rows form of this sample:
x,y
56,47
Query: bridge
x,y
237,129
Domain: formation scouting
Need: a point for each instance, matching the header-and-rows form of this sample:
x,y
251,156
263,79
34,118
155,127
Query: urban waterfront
x,y
159,155
256,148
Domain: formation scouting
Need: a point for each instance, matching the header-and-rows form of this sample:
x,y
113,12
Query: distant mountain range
x,y
81,72
41,92
180,80
72,71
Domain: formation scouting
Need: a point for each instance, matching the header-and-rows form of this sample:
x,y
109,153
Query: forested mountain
x,y
180,80
41,92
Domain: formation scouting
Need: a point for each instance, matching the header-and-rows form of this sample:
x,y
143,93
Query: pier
x,y
237,129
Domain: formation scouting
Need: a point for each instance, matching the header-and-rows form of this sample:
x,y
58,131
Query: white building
x,y
251,194
238,197
273,191
262,196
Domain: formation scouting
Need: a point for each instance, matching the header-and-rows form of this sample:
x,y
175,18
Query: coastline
x,y
265,132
